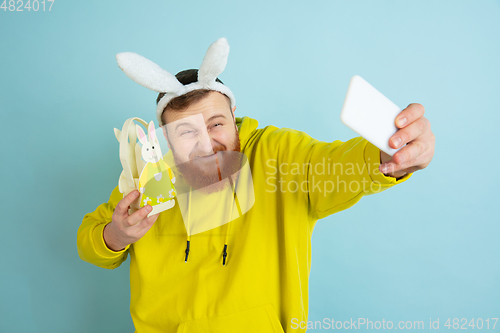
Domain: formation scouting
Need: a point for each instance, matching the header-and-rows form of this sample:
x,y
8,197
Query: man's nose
x,y
205,143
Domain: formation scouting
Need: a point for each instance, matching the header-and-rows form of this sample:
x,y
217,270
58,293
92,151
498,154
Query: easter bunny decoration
x,y
156,179
130,158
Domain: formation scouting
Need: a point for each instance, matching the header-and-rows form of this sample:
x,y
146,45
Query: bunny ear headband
x,y
150,75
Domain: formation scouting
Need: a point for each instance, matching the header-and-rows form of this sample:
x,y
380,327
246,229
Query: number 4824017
x,y
21,6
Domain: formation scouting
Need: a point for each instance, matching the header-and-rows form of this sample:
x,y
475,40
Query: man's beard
x,y
209,177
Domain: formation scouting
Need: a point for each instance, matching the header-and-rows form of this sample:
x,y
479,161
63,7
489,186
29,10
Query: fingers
x,y
419,163
409,133
407,116
410,152
127,229
139,215
147,223
122,207
415,132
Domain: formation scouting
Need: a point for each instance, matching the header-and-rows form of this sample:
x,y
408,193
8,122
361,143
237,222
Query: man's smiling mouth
x,y
206,157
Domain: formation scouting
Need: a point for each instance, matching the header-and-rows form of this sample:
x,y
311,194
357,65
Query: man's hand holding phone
x,y
414,131
404,137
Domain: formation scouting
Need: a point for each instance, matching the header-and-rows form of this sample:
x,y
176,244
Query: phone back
x,y
370,114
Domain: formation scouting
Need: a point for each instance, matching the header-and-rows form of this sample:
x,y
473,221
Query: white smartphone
x,y
370,114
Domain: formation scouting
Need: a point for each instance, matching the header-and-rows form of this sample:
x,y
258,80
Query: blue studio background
x,y
433,250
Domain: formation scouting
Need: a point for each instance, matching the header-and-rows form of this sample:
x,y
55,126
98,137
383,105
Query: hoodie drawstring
x,y
224,252
187,229
228,228
187,251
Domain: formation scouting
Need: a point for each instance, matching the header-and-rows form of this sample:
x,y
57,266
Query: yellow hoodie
x,y
263,287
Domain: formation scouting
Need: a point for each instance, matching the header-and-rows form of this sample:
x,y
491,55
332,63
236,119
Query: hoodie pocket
x,y
262,319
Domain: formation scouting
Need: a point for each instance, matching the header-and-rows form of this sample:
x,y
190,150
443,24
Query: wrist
x,y
386,158
109,240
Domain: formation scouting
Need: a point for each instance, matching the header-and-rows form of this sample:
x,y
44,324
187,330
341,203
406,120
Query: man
x,y
251,274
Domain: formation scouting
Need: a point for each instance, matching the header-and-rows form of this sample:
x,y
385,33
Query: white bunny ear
x,y
141,135
152,132
214,62
147,73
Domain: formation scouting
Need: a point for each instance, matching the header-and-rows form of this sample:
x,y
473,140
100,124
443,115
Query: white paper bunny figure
x,y
130,158
156,179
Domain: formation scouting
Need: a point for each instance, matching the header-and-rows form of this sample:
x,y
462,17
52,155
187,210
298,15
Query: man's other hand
x,y
414,130
125,229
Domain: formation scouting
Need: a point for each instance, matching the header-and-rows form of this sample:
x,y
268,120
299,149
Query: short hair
x,y
182,102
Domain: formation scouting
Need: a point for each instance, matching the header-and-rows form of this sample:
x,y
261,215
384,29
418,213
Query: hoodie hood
x,y
246,128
